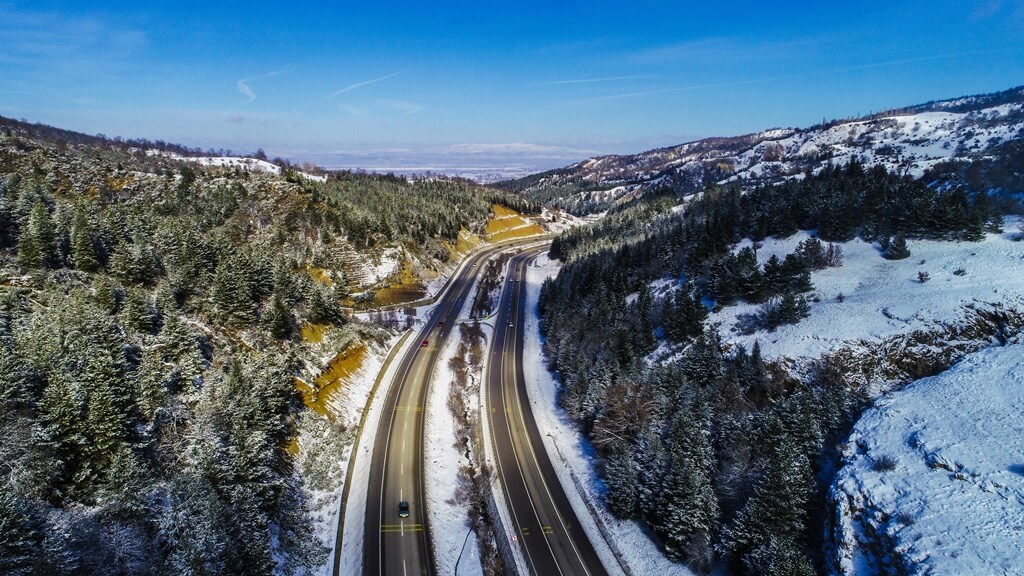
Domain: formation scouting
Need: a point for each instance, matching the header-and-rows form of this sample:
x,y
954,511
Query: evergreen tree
x,y
150,383
134,264
621,478
137,312
778,505
689,510
20,535
37,245
895,247
83,253
279,319
777,557
231,293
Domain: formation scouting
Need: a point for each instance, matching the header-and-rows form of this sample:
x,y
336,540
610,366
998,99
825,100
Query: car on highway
x,y
425,343
403,509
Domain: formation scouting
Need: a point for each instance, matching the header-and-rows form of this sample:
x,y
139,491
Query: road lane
x,y
544,523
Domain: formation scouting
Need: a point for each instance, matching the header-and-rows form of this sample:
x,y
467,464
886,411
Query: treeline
x,y
370,209
724,456
149,339
61,137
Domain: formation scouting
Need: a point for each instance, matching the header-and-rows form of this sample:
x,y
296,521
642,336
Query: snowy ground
x,y
882,298
572,457
247,164
938,470
448,526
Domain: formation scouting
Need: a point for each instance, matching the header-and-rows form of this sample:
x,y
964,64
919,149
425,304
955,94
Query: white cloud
x,y
403,107
521,149
354,111
592,80
244,88
348,89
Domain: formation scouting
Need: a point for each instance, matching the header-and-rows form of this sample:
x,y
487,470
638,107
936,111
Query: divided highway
x,y
396,544
544,523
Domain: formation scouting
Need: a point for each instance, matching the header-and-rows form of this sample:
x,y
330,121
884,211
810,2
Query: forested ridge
x,y
724,456
150,333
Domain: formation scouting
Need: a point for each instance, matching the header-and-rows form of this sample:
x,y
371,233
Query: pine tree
x,y
134,264
83,252
895,247
37,245
106,423
137,312
105,295
232,294
777,557
20,535
689,509
778,505
622,479
150,383
279,320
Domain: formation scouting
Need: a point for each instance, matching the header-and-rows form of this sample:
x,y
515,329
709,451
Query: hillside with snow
x,y
943,137
933,480
869,300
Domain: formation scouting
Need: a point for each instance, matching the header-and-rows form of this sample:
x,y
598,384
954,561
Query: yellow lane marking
x,y
547,530
525,531
396,528
408,409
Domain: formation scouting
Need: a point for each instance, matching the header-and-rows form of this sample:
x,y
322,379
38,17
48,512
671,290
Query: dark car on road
x,y
403,509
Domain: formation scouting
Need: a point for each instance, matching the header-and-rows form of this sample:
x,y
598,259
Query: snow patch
x,y
934,474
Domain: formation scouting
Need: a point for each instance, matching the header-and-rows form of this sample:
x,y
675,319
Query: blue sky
x,y
544,83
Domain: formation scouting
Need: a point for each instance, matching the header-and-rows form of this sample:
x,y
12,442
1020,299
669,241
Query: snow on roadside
x,y
325,450
448,516
573,458
934,474
871,298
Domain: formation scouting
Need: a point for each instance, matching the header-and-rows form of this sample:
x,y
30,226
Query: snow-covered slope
x,y
933,480
246,164
870,299
911,140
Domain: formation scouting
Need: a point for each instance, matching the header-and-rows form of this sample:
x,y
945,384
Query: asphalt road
x,y
545,526
395,545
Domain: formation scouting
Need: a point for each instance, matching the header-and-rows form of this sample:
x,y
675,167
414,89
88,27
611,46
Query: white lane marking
x,y
505,358
529,449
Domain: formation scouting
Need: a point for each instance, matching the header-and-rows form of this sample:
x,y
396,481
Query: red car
x,y
424,344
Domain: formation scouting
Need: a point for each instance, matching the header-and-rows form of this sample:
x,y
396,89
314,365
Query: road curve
x,y
394,545
544,524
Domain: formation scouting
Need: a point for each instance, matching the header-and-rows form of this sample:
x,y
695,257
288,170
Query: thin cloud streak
x,y
403,107
794,76
245,89
591,80
348,89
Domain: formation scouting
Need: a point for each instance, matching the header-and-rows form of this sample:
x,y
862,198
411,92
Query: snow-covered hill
x,y
933,480
911,140
242,163
869,301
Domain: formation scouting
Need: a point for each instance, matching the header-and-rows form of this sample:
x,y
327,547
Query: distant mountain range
x,y
975,140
